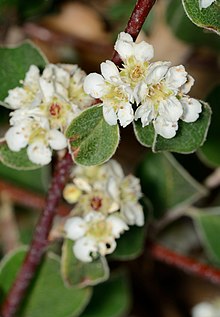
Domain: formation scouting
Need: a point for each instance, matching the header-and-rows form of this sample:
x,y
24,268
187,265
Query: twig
x,y
135,23
40,240
185,263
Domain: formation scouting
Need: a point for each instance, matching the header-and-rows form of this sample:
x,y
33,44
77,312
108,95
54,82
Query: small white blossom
x,y
135,57
162,101
203,4
44,107
94,234
116,96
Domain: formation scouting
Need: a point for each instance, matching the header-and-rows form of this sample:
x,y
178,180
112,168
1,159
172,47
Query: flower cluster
x,y
43,107
203,4
106,205
157,91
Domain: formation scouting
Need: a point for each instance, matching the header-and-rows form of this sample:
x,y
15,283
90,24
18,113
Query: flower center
x,y
38,133
158,92
137,72
55,109
100,229
96,203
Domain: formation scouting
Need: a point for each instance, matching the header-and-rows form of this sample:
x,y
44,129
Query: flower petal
x,y
170,109
146,112
188,84
109,114
133,214
32,78
17,137
176,77
124,45
118,225
110,71
75,228
143,51
94,85
57,140
16,98
83,248
39,153
166,129
191,109
47,89
125,114
203,4
156,72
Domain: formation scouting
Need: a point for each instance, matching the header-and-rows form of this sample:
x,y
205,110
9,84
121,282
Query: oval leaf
x,y
110,299
207,18
92,140
210,152
15,62
47,289
81,274
17,160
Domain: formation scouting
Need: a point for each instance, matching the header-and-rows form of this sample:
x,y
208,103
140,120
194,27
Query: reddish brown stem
x,y
135,23
185,263
27,198
39,242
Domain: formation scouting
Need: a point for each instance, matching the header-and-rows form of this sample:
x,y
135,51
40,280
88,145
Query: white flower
x,y
135,57
94,234
162,100
203,4
44,107
115,95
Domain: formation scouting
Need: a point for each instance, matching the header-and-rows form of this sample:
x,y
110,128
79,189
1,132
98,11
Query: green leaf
x,y
185,30
17,160
210,152
131,244
207,18
110,299
15,62
189,137
81,274
167,184
207,223
48,296
92,140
